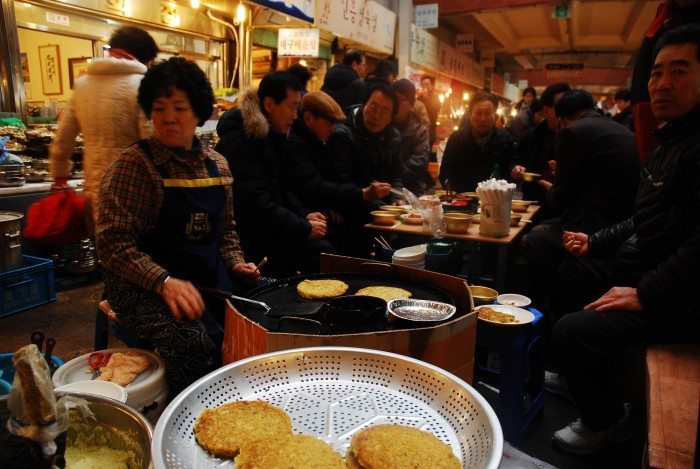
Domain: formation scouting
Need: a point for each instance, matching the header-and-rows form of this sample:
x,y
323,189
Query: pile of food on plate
x,y
490,314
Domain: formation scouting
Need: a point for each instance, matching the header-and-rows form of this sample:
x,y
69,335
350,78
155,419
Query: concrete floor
x,y
71,321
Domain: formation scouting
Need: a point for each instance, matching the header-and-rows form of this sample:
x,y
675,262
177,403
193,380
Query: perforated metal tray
x,y
332,393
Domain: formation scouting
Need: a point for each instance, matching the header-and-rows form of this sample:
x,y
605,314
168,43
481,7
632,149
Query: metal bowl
x,y
531,177
420,310
124,427
482,295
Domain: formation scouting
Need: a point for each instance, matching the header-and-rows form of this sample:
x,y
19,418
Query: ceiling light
x,y
240,13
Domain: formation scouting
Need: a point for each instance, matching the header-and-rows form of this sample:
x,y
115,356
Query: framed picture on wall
x,y
50,64
25,75
76,67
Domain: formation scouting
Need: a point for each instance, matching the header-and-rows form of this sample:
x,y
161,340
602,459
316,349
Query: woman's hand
x,y
246,271
575,243
517,172
182,298
376,190
621,298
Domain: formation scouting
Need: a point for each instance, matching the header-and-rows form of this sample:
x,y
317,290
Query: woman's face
x,y
174,121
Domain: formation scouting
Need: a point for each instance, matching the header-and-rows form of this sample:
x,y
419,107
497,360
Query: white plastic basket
x,y
332,393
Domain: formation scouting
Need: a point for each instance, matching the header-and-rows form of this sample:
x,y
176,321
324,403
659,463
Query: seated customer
x,y
365,150
415,140
272,222
166,226
473,151
634,280
308,167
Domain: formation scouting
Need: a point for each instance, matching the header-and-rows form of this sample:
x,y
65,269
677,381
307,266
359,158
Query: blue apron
x,y
185,240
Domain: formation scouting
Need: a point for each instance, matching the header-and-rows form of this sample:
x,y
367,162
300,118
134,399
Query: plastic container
x,y
97,388
148,393
27,287
8,370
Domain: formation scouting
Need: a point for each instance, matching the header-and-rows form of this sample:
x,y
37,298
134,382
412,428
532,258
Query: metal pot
x,y
10,241
11,175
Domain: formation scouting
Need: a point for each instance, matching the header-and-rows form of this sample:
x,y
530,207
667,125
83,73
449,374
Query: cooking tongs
x,y
229,296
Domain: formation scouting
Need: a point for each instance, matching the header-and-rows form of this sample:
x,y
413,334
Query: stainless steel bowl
x,y
126,429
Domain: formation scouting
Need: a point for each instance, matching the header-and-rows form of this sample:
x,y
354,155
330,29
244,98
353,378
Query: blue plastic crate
x,y
27,287
8,371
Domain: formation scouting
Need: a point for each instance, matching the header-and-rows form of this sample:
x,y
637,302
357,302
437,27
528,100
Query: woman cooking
x,y
166,225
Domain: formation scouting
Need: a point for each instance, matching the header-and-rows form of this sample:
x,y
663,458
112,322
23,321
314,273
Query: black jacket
x,y
597,174
308,171
625,118
344,85
263,209
414,150
464,164
657,250
364,157
535,150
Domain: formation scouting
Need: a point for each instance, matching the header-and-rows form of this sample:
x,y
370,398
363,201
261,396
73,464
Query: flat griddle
x,y
283,294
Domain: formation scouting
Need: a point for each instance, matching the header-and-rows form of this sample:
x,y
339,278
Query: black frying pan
x,y
283,297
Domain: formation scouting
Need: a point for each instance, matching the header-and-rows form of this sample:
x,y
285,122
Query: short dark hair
x,y
531,91
428,77
275,85
535,106
136,42
625,95
686,34
351,56
385,89
383,69
302,73
573,102
547,96
481,96
182,74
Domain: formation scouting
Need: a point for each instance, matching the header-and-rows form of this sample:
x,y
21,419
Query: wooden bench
x,y
673,405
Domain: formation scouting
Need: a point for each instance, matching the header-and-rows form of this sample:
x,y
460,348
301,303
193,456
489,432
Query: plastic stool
x,y
520,377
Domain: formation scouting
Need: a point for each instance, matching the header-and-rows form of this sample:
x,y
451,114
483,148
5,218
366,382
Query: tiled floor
x,y
71,321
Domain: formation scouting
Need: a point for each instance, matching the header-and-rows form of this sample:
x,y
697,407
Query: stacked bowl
x,y
412,256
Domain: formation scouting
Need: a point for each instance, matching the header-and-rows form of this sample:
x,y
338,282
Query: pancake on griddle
x,y
319,289
385,293
398,446
223,430
289,452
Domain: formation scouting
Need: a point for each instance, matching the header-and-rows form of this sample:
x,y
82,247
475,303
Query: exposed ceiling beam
x,y
500,30
449,7
526,61
638,24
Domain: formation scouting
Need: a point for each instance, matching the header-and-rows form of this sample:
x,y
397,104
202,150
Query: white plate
x,y
511,299
411,252
98,388
522,315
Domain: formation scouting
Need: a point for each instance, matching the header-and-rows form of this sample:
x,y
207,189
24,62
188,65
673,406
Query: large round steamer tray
x,y
332,393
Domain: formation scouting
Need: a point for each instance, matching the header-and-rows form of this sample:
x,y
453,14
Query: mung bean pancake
x,y
289,452
320,289
490,314
385,293
398,446
223,430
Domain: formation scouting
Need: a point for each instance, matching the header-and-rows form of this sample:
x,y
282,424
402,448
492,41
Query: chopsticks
x,y
382,242
260,265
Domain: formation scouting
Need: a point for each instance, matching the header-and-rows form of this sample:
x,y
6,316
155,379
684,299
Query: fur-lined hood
x,y
248,116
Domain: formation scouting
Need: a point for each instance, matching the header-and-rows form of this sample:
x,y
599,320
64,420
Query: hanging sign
x,y
363,21
301,9
464,43
298,42
427,15
424,48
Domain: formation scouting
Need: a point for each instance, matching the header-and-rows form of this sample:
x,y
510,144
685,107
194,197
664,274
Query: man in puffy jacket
x,y
271,221
651,260
103,107
343,81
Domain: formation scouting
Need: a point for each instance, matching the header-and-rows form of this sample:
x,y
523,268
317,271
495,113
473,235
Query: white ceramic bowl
x,y
411,253
511,299
97,388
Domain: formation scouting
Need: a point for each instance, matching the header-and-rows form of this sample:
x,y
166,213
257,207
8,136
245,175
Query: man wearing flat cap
x,y
309,171
414,148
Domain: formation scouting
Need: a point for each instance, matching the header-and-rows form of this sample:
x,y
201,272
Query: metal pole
x,y
11,83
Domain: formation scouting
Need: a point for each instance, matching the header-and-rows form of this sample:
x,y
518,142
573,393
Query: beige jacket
x,y
103,107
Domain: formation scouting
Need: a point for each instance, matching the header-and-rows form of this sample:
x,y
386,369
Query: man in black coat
x,y
309,168
343,81
651,260
271,221
473,151
622,101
